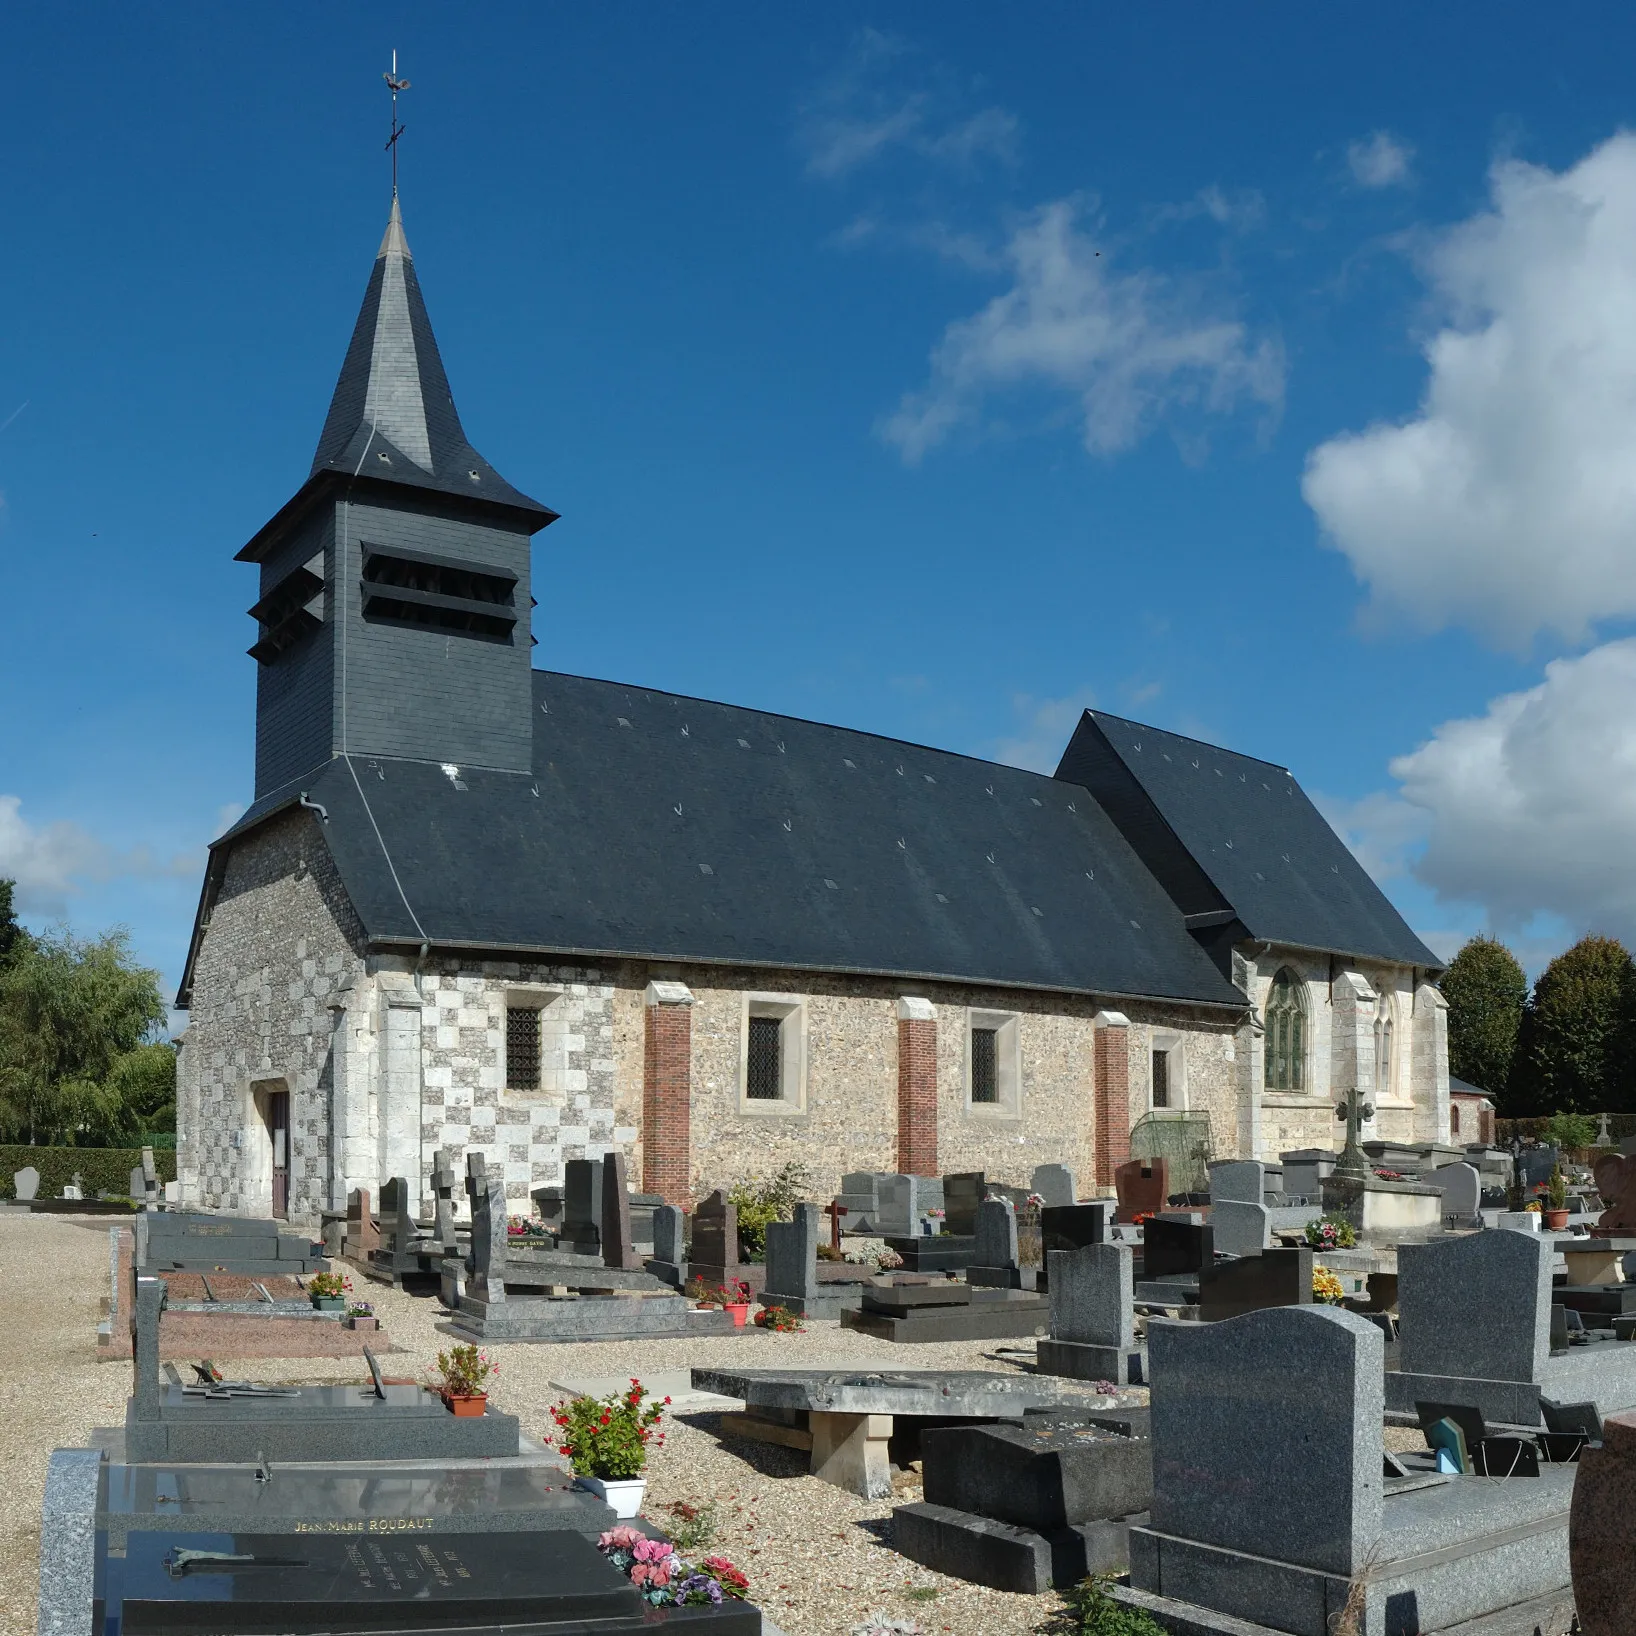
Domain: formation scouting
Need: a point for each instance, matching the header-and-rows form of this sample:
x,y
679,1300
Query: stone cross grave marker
x,y
25,1183
1476,1307
792,1254
715,1239
444,1182
477,1181
1248,1457
962,1193
618,1249
582,1205
488,1236
996,1234
1054,1184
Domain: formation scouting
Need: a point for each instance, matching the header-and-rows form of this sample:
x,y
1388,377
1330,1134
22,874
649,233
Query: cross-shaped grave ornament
x,y
443,1186
1354,1162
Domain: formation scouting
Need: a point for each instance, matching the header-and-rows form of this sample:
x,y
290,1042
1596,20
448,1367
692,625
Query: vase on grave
x,y
624,1494
466,1405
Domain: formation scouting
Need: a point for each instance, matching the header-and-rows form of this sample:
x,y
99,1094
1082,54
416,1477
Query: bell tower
x,y
393,615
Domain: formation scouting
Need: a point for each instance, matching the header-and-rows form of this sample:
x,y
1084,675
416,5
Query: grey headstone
x,y
792,1254
1091,1295
397,1216
138,1186
488,1241
1249,1456
618,1248
150,1301
72,1190
962,1193
25,1182
862,1184
68,1528
1304,1172
150,1173
1239,1228
444,1182
1461,1187
667,1234
1477,1305
1236,1181
996,1234
548,1205
899,1205
1054,1184
582,1204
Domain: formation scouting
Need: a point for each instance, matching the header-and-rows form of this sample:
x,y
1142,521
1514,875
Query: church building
x,y
484,906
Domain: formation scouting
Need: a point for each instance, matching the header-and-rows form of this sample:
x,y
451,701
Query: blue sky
x,y
933,370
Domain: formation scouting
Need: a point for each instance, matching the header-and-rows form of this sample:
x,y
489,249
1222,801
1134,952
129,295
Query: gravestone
x,y
1238,1181
669,1261
1615,1175
715,1240
1305,1170
1537,1165
1239,1229
1073,1226
1275,1278
25,1183
548,1207
397,1217
444,1182
618,1247
74,1189
860,1199
996,1234
1461,1187
792,1269
1175,1247
962,1193
137,1190
1093,1323
489,1239
150,1177
362,1235
897,1206
582,1205
1054,1184
1143,1186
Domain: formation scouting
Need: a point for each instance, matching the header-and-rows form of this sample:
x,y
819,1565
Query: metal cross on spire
x,y
394,85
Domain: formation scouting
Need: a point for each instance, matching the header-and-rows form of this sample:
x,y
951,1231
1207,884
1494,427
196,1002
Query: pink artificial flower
x,y
651,1573
622,1538
651,1550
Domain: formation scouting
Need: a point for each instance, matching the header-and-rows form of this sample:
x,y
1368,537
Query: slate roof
x,y
392,419
1236,839
669,828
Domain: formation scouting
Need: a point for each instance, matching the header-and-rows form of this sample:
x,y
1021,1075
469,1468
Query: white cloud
x,y
52,862
1529,809
1508,502
864,111
1381,829
1379,160
1129,347
1044,727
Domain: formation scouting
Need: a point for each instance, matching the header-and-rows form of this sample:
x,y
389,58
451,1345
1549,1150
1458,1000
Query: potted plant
x,y
735,1298
465,1370
606,1439
703,1295
780,1320
328,1291
360,1315
1331,1233
1556,1201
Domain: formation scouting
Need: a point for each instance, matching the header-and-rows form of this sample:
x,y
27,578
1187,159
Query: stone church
x,y
484,906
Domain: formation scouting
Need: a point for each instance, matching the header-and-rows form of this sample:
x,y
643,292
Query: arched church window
x,y
1286,1042
1383,1045
1454,1118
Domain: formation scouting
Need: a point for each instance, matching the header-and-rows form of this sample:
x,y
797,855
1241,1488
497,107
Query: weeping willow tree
x,y
81,1058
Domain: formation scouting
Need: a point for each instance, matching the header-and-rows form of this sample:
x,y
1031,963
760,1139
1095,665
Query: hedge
x,y
1620,1126
102,1169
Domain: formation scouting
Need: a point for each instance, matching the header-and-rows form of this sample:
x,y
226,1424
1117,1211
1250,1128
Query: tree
x,y
71,1012
1486,991
1579,1030
12,936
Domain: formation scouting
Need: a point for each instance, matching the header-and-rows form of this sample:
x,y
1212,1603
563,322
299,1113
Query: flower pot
x,y
466,1406
362,1323
330,1303
1556,1221
740,1311
624,1494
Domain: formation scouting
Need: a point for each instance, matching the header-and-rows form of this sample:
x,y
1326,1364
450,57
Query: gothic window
x,y
1383,1046
1454,1119
1286,1042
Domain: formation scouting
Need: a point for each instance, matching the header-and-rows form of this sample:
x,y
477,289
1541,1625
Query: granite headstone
x,y
618,1246
1054,1184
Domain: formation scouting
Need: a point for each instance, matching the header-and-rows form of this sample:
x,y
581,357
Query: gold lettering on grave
x,y
368,1525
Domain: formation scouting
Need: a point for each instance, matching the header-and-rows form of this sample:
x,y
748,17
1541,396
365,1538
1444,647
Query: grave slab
x,y
935,1252
988,1552
587,1316
988,1314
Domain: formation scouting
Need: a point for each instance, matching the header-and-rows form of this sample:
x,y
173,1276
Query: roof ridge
x,y
1188,738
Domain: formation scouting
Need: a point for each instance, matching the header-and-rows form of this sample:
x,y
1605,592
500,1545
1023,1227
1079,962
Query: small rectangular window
x,y
985,1065
522,1048
764,1077
1161,1079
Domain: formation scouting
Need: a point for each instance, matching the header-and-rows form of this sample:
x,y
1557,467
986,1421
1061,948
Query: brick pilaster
x,y
667,1094
917,1087
1111,1068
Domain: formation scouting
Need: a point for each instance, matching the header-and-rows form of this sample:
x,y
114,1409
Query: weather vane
x,y
394,85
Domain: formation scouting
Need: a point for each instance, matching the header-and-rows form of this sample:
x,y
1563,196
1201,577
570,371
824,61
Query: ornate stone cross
x,y
1354,1162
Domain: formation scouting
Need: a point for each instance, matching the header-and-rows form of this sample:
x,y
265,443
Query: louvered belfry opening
x,y
763,1075
417,588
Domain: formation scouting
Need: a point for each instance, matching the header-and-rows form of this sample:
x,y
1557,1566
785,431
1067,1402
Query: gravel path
x,y
818,1559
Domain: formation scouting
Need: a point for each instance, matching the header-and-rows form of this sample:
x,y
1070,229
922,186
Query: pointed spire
x,y
392,417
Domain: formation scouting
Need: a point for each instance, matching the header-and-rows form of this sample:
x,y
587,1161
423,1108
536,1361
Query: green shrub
x,y
1099,1615
101,1169
762,1201
1570,1130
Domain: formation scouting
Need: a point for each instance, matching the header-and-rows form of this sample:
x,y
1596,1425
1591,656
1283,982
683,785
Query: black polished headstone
x,y
582,1205
1074,1226
1175,1249
1275,1278
962,1193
